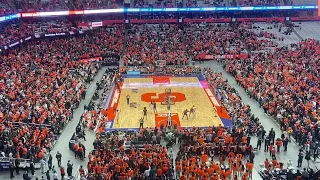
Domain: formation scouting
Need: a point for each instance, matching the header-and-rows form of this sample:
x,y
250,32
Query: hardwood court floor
x,y
190,86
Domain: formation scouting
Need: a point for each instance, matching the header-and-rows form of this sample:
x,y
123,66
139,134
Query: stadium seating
x,y
239,112
256,42
95,4
16,31
200,144
6,8
34,6
24,101
15,6
220,151
213,39
282,80
280,32
148,44
130,156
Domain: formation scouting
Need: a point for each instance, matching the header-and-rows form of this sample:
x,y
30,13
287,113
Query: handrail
x,y
20,123
8,159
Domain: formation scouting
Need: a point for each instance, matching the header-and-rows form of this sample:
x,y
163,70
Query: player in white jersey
x,y
117,115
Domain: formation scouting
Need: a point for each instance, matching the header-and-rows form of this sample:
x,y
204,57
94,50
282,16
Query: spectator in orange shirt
x,y
249,167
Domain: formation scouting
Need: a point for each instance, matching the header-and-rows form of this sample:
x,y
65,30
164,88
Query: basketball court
x,y
180,92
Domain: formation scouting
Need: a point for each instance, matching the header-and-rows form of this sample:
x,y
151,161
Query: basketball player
x,y
144,112
215,111
185,114
128,99
151,106
117,114
192,111
155,107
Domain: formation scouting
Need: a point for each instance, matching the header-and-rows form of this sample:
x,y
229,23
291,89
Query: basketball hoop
x,y
168,100
161,63
168,91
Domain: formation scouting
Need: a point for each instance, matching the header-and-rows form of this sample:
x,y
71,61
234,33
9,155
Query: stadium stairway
x,y
267,121
185,47
61,144
124,47
297,34
308,29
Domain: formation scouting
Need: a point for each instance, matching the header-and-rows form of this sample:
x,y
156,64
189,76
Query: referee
x,y
141,123
128,99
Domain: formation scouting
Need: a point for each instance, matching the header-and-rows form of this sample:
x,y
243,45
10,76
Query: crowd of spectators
x,y
37,99
274,169
92,44
230,146
154,4
35,5
213,39
130,155
15,31
256,42
285,83
93,115
97,4
41,85
168,70
146,44
11,7
218,152
239,112
6,8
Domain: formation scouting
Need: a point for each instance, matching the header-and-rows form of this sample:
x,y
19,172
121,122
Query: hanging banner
x,y
201,57
110,60
187,20
156,21
86,60
277,19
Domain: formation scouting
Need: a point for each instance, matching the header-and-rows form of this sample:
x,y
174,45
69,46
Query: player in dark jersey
x,y
144,112
215,111
154,107
192,111
185,114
